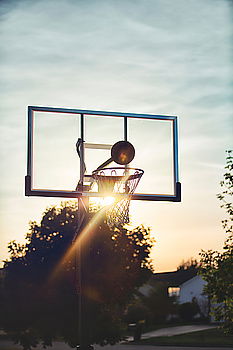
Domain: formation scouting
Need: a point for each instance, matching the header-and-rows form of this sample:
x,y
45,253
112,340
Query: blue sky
x,y
154,56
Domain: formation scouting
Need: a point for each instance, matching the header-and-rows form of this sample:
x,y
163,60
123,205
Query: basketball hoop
x,y
117,182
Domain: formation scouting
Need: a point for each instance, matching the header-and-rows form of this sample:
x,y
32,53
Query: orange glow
x,y
123,158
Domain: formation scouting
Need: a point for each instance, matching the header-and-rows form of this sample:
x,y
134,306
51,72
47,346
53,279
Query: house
x,y
173,279
184,284
191,290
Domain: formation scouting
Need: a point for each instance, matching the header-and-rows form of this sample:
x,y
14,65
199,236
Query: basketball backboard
x,y
55,168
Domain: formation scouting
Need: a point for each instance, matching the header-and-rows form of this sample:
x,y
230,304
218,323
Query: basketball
x,y
122,152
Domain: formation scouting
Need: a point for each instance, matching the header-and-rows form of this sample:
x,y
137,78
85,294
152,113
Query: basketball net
x,y
121,184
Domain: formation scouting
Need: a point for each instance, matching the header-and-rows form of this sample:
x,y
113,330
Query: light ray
x,y
80,244
81,241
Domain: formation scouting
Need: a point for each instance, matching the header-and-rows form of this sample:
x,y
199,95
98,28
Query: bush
x,y
187,311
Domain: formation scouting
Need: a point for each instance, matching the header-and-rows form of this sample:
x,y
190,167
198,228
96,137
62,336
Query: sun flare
x,y
103,201
108,200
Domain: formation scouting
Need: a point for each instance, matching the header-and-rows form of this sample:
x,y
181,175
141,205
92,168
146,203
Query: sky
x,y
137,56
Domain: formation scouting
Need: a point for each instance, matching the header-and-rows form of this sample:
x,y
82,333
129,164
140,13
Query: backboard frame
x,y
30,191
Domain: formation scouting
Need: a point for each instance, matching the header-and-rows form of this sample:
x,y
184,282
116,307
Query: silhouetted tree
x,y
226,195
40,300
190,264
217,267
153,308
159,304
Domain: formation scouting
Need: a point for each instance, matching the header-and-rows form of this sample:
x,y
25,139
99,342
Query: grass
x,y
211,337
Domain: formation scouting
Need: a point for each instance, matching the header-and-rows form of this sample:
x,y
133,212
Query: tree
x,y
190,264
216,267
226,195
216,270
40,300
187,311
159,304
153,308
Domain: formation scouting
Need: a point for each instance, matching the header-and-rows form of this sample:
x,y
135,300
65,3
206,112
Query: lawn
x,y
211,337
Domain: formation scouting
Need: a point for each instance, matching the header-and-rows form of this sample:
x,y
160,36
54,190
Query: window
x,y
173,291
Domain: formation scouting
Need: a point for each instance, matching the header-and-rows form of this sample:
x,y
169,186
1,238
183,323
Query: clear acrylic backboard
x,y
54,167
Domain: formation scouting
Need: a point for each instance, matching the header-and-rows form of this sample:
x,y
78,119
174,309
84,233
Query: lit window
x,y
173,291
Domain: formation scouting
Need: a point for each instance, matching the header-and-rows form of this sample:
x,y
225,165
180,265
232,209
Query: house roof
x,y
175,278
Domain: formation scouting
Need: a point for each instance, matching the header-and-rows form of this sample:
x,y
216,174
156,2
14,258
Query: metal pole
x,y
83,275
82,161
83,211
125,129
79,275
